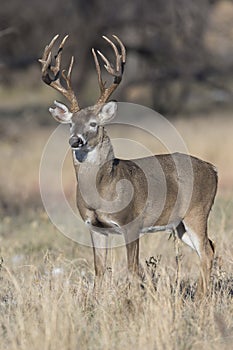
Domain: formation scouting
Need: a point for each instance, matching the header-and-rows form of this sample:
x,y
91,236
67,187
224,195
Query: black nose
x,y
76,142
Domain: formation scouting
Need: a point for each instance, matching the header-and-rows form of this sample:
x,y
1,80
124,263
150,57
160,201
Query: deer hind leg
x,y
207,257
194,234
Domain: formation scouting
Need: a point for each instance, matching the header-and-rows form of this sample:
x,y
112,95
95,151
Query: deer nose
x,y
76,142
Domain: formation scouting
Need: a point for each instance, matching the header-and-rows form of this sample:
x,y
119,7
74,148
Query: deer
x,y
173,191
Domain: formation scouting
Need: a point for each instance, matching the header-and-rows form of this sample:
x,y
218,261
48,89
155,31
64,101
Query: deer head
x,y
86,124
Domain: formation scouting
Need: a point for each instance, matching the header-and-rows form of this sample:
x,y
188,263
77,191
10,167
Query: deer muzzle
x,y
77,141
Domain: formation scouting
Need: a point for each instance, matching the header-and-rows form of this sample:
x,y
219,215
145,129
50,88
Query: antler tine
x,y
50,45
107,65
116,71
47,58
70,67
54,81
67,77
118,58
123,50
48,49
57,57
97,66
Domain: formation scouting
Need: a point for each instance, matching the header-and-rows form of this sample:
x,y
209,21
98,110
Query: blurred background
x,y
180,63
179,51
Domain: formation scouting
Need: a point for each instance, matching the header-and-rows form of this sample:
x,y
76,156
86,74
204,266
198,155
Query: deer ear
x,y
108,112
61,113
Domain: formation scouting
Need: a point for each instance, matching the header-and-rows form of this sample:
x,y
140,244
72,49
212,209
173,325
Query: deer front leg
x,y
132,248
133,257
100,247
134,280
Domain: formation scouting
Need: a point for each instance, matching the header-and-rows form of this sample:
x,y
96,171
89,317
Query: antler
x,y
51,74
116,72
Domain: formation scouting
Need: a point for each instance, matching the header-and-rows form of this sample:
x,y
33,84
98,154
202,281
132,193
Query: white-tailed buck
x,y
168,191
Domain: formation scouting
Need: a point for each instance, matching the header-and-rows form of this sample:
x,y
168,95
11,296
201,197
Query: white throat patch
x,y
92,156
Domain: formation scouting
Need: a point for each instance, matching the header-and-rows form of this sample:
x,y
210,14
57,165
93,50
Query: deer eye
x,y
93,124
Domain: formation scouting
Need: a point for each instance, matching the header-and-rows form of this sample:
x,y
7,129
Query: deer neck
x,y
100,154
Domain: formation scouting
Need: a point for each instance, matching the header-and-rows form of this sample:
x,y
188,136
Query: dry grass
x,y
46,280
46,297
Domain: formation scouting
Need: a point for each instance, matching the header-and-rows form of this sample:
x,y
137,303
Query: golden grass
x,y
46,280
47,301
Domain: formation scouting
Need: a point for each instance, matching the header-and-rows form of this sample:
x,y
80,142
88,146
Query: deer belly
x,y
155,228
